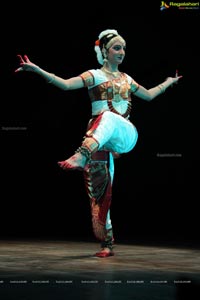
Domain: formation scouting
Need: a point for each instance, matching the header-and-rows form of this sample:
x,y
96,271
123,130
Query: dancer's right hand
x,y
26,64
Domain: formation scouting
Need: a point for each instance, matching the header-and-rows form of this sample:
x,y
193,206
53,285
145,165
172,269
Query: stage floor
x,y
51,269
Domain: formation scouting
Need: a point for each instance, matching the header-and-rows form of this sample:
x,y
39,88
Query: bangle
x,y
51,78
162,88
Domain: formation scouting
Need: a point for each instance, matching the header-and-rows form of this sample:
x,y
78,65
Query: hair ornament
x,y
97,42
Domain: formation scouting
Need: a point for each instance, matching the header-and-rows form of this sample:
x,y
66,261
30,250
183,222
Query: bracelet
x,y
51,79
162,88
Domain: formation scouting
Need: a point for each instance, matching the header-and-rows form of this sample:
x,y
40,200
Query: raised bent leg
x,y
82,155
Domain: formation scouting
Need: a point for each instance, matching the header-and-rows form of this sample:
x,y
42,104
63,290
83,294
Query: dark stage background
x,y
155,191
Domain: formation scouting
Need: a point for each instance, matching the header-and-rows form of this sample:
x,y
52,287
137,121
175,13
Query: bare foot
x,y
105,252
75,162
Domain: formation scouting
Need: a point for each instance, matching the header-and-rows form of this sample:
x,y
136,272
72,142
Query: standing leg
x,y
98,187
108,243
98,182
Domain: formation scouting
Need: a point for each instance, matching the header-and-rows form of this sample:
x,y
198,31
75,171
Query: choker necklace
x,y
114,74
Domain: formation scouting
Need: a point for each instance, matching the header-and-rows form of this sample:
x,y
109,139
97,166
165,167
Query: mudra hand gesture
x,y
176,78
26,64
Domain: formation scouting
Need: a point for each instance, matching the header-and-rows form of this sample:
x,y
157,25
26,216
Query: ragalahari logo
x,y
179,5
164,5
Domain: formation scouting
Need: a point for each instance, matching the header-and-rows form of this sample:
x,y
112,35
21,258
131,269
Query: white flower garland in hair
x,y
97,49
101,60
106,32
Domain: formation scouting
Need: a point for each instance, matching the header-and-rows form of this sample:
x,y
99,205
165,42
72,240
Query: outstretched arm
x,y
152,93
64,84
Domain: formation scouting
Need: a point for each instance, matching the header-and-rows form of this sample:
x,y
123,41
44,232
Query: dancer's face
x,y
116,52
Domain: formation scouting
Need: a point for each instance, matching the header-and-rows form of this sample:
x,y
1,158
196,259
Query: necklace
x,y
114,74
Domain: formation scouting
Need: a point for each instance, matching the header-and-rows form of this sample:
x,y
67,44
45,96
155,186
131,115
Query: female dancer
x,y
109,132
